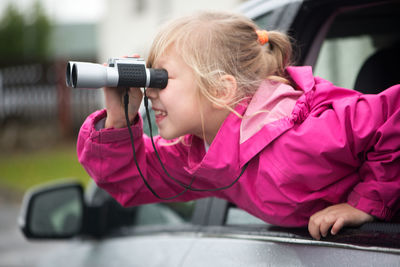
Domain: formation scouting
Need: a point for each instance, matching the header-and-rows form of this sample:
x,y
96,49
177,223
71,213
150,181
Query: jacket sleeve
x,y
375,131
107,156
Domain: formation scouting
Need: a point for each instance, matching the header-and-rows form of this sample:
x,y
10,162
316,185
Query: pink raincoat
x,y
307,148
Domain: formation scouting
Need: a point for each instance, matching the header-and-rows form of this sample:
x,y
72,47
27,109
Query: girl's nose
x,y
152,93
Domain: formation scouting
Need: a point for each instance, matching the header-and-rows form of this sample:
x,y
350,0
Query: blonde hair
x,y
214,44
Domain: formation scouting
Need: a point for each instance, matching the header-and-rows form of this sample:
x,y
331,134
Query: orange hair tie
x,y
262,36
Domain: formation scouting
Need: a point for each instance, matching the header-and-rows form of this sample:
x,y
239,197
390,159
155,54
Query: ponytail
x,y
278,55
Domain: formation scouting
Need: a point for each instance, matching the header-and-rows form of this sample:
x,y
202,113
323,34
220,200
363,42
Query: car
x,y
344,41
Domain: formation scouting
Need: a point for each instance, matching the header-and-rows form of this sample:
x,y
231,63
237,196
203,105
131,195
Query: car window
x,y
164,214
340,59
150,214
237,216
352,39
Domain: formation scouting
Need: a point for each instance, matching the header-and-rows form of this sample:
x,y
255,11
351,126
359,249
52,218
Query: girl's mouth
x,y
160,115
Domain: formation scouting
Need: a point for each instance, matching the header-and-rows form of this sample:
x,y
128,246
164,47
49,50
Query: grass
x,y
22,170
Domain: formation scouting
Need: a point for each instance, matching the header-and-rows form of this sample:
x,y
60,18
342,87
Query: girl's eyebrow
x,y
164,65
163,62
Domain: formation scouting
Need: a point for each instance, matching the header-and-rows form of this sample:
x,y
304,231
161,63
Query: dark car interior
x,y
379,71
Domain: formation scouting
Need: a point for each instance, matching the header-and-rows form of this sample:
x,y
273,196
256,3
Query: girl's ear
x,y
227,92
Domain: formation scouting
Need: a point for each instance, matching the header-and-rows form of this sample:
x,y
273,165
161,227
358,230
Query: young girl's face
x,y
178,107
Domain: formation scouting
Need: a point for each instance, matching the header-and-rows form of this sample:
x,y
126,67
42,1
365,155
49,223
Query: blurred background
x,y
39,116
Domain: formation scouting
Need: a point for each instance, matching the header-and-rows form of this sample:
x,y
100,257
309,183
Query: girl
x,y
306,152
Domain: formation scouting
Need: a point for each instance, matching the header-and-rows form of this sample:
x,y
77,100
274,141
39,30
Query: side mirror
x,y
53,211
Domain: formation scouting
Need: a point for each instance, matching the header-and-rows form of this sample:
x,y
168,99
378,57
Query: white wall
x,y
129,26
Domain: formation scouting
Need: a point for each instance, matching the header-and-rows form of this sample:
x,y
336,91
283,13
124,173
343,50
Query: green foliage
x,y
12,28
24,169
24,37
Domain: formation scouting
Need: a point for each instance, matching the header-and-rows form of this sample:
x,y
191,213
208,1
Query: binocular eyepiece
x,y
120,72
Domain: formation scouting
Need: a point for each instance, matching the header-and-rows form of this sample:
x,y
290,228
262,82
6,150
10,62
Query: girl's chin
x,y
166,135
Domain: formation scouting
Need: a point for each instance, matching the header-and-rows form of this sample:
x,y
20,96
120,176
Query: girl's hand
x,y
336,216
114,100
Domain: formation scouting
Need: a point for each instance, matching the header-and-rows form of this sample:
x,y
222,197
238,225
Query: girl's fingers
x,y
314,226
134,55
325,224
337,226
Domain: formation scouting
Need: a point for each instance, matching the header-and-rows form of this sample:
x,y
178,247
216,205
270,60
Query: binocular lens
x,y
74,76
68,74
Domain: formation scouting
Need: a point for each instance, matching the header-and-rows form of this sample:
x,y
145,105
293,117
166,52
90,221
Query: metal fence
x,y
37,92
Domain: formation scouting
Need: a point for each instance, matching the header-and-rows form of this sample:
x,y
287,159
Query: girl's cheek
x,y
168,88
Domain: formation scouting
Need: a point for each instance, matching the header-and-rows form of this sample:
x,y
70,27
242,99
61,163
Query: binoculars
x,y
120,72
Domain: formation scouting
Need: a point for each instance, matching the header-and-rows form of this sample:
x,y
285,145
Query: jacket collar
x,y
266,118
272,102
303,77
271,110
